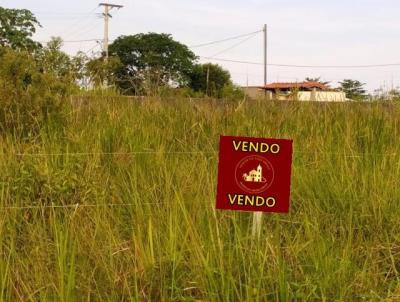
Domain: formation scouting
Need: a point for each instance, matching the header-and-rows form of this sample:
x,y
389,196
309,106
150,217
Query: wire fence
x,y
350,155
83,205
76,206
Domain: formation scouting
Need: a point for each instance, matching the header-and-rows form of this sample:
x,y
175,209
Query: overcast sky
x,y
308,32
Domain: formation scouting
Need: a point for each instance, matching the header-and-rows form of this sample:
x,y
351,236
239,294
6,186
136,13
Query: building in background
x,y
298,91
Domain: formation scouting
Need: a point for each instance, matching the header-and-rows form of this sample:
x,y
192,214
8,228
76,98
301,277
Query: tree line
x,y
140,64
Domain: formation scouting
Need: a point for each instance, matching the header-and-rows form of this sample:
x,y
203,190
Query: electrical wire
x,y
249,36
76,41
234,46
225,40
84,18
87,52
231,61
303,66
87,28
60,13
338,66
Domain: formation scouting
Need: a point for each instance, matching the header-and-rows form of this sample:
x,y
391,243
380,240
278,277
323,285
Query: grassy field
x,y
144,176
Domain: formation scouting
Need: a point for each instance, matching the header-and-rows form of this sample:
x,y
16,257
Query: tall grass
x,y
149,231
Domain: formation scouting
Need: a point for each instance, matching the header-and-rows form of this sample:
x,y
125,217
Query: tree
x,y
28,96
101,71
150,61
318,79
354,89
17,26
394,94
53,60
79,69
211,79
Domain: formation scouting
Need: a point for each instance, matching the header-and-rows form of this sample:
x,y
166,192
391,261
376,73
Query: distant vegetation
x,y
354,89
150,61
149,64
29,98
17,27
213,81
142,64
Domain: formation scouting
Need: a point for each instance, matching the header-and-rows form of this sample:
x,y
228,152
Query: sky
x,y
307,32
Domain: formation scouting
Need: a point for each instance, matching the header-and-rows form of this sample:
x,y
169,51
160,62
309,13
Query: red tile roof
x,y
297,85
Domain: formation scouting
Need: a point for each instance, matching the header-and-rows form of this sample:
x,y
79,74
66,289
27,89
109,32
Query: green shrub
x,y
110,91
28,97
179,92
232,92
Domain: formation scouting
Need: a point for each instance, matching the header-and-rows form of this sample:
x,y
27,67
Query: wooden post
x,y
257,223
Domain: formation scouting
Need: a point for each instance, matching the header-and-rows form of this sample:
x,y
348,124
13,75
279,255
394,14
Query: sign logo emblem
x,y
254,174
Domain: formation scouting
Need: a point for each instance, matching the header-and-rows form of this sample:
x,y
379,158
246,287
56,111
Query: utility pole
x,y
265,57
107,8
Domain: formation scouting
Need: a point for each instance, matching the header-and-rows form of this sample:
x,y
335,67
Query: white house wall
x,y
306,96
321,96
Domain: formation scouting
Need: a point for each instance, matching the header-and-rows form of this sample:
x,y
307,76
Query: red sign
x,y
254,174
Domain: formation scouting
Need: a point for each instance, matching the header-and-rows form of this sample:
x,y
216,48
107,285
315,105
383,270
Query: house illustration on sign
x,y
254,175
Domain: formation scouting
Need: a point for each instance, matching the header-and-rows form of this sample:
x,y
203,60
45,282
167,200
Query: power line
x,y
87,52
80,41
251,35
88,27
225,40
60,13
88,30
232,61
234,46
72,30
75,41
303,66
337,66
